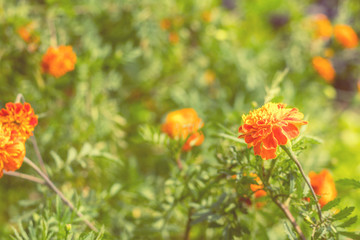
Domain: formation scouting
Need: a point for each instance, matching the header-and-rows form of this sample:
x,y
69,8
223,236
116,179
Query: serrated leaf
x,y
330,204
348,223
343,213
349,182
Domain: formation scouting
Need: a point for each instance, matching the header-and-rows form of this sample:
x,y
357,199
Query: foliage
x,y
100,133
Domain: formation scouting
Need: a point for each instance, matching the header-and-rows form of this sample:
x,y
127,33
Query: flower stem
x,y
293,157
59,193
25,176
291,218
19,98
188,225
178,161
38,154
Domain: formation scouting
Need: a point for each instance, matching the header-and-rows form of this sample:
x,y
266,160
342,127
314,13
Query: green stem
x,y
25,176
268,175
293,157
289,216
59,193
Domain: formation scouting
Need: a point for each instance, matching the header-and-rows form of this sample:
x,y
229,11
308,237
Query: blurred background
x,y
99,125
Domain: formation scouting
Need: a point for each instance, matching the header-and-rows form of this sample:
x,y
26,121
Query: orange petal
x,y
291,131
278,134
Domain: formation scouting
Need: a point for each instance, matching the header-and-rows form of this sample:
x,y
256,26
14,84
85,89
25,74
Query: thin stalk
x,y
59,193
38,154
25,176
291,218
19,98
268,175
293,157
178,161
188,225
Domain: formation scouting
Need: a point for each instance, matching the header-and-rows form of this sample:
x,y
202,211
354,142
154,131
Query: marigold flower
x,y
324,68
270,126
19,117
257,188
323,27
184,124
209,77
58,61
165,24
346,36
324,186
173,37
206,16
12,150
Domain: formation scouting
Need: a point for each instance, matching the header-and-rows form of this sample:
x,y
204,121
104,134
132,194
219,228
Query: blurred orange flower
x,y
173,37
206,16
19,117
209,77
27,33
12,150
323,28
270,126
346,36
257,188
324,68
58,61
324,186
184,124
165,24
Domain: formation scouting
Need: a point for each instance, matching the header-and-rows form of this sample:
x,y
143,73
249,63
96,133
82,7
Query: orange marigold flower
x,y
324,68
206,16
184,124
323,28
324,186
173,37
19,117
257,188
12,150
165,24
58,61
28,34
345,35
270,126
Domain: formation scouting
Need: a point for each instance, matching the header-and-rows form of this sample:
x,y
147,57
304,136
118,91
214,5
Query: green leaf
x,y
352,235
331,204
343,213
348,223
349,182
289,232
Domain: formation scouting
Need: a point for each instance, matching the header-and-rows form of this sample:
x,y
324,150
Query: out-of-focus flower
x,y
329,52
173,37
358,85
324,186
19,117
27,33
346,36
323,27
184,124
258,188
206,16
165,24
270,126
324,68
58,61
209,77
12,150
